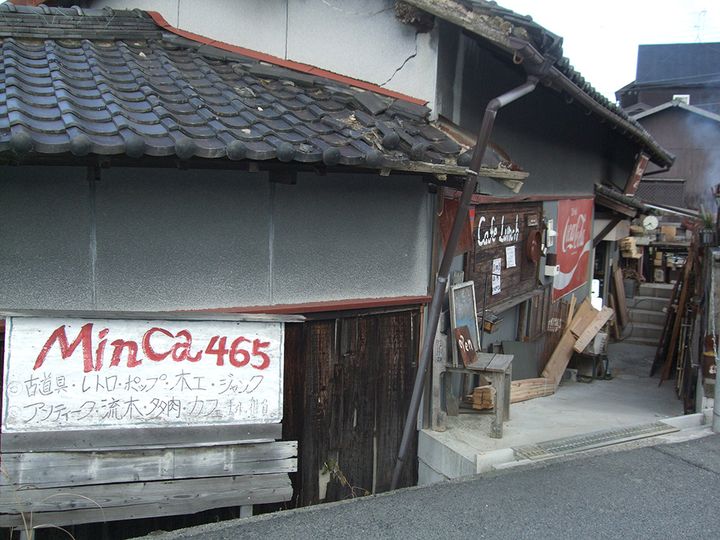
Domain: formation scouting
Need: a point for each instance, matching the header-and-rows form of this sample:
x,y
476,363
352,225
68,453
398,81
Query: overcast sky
x,y
601,37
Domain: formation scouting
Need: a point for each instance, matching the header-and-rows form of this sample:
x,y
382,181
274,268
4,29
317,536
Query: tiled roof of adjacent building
x,y
77,82
678,64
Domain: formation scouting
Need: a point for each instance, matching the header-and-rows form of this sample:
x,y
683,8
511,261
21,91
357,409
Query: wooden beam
x,y
620,302
102,503
615,206
591,331
679,316
456,170
526,389
200,315
560,357
31,470
606,230
133,439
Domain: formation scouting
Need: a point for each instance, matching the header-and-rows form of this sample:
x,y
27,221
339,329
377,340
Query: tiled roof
x,y
678,64
505,28
76,82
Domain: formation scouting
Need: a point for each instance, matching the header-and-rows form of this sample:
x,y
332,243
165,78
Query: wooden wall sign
x,y
138,414
62,374
500,236
573,245
633,182
465,345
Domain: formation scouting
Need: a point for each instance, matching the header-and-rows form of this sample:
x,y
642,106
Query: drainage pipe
x,y
443,272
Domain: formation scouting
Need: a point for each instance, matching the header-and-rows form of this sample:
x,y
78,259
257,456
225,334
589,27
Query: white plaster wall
x,y
166,239
362,40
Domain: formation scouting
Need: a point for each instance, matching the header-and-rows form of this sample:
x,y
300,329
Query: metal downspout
x,y
441,280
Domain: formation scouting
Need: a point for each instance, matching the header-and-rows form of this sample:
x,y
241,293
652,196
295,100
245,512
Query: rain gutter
x,y
556,79
441,280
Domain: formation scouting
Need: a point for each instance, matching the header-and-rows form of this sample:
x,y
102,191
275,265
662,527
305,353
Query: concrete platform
x,y
630,398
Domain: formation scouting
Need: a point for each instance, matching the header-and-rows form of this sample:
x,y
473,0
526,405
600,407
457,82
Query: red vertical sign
x,y
637,174
574,243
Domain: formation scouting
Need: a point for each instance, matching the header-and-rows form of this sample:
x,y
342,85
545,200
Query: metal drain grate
x,y
579,443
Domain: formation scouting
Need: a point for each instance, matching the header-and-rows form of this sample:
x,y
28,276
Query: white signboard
x,y
510,257
94,374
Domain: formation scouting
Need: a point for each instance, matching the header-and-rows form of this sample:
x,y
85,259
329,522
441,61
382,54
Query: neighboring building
x,y
686,72
676,97
149,169
692,134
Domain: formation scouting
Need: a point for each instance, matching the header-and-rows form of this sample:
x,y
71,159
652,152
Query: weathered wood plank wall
x,y
348,383
57,469
134,500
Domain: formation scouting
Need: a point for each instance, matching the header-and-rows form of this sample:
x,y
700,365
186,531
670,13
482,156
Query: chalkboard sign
x,y
462,313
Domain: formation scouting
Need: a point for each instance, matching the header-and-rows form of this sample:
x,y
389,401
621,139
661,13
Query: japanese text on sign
x,y
73,374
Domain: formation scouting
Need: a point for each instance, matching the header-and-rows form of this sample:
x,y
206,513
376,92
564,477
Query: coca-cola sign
x,y
574,245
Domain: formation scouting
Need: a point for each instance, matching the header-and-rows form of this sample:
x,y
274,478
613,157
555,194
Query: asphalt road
x,y
665,491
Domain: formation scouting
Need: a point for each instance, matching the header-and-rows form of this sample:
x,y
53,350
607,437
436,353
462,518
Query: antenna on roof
x,y
700,25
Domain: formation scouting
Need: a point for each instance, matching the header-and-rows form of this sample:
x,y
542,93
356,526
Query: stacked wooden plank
x,y
580,331
629,248
483,398
526,389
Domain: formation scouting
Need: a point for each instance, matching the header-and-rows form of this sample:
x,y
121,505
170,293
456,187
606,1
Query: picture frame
x,y
463,312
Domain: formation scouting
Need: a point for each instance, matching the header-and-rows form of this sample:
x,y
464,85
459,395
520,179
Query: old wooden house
x,y
152,173
152,177
675,97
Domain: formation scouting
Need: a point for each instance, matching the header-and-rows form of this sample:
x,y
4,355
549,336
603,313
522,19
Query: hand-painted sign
x,y
497,262
633,182
106,373
465,345
573,245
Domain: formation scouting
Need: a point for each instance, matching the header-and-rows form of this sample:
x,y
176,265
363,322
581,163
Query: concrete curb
x,y
690,425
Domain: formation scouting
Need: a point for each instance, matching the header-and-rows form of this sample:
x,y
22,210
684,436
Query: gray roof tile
x,y
113,82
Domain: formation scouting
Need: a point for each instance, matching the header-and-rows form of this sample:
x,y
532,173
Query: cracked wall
x,y
363,40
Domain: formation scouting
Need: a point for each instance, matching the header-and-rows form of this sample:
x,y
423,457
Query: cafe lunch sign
x,y
116,373
574,245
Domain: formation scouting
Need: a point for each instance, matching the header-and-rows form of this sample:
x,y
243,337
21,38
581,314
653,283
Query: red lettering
x,y
217,346
147,348
100,351
181,351
59,336
257,345
132,349
236,349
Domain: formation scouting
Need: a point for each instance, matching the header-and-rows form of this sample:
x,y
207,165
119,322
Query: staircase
x,y
647,314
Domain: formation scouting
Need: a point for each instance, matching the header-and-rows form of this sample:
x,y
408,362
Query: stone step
x,y
652,303
660,290
650,342
645,330
652,316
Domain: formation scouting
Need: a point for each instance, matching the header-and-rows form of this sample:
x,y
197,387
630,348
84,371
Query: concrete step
x,y
661,290
653,303
651,316
650,342
646,330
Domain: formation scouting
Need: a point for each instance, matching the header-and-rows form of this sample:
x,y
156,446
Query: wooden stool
x,y
498,369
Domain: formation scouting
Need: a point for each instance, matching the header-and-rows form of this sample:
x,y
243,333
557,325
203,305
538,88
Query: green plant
x,y
332,468
707,218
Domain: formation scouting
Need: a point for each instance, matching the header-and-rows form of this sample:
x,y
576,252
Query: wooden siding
x,y
348,383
